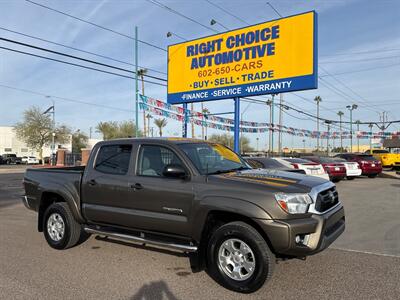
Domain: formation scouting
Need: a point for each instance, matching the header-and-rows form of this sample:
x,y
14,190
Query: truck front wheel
x,y
60,228
239,258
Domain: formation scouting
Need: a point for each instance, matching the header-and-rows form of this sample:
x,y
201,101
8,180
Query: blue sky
x,y
353,35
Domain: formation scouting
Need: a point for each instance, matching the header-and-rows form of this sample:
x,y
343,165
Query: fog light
x,y
302,239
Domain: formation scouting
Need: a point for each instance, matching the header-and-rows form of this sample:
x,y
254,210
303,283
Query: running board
x,y
143,240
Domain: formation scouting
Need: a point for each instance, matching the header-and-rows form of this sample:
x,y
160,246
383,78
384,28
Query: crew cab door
x,y
160,203
106,192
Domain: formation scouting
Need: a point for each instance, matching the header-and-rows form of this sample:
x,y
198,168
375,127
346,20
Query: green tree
x,y
227,140
160,123
36,130
114,130
79,141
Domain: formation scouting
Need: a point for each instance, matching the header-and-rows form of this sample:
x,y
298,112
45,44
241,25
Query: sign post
x,y
236,135
185,120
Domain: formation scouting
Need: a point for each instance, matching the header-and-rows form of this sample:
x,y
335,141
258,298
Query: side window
x,y
153,160
114,159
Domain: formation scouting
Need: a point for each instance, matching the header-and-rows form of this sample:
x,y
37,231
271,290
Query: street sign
x,y
267,58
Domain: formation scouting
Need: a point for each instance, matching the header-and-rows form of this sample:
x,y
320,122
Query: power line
x,y
227,12
159,4
80,50
77,65
77,57
359,60
361,70
94,24
63,98
360,52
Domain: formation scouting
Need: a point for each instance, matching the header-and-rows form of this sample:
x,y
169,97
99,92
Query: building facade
x,y
10,144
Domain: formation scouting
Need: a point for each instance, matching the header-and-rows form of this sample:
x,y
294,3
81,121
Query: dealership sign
x,y
267,58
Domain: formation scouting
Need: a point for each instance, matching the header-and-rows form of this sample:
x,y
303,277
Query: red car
x,y
369,165
335,170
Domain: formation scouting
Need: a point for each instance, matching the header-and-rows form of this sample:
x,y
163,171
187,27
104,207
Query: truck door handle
x,y
136,186
92,182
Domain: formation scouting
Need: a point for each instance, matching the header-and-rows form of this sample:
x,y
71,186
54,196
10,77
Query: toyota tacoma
x,y
187,195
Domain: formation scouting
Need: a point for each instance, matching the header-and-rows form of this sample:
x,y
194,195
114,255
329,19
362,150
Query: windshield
x,y
367,157
213,158
297,160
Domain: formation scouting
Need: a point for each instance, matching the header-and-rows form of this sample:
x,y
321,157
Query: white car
x,y
29,160
352,168
311,168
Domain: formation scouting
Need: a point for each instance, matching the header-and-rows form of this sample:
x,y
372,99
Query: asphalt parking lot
x,y
364,263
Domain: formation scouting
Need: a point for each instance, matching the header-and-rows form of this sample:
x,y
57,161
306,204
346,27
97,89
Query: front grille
x,y
326,199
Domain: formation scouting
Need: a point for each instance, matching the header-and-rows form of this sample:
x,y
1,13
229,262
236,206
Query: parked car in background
x,y
29,160
11,159
369,165
271,164
311,168
1,160
353,169
336,170
387,159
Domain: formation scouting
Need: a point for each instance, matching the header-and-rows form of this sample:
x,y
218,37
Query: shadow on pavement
x,y
156,290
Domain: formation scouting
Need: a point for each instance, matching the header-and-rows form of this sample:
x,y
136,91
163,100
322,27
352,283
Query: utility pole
x,y
270,104
358,139
257,144
340,114
351,108
272,123
304,146
202,118
136,84
191,114
280,124
318,99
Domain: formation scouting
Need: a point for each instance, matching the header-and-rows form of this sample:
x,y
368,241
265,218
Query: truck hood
x,y
275,180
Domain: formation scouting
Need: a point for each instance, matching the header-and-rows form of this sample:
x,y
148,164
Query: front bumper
x,y
322,229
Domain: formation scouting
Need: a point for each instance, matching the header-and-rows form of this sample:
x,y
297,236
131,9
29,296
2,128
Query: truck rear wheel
x,y
60,228
238,258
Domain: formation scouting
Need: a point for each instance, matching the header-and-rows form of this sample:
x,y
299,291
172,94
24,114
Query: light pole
x,y
257,144
351,108
318,99
52,110
340,114
241,119
304,145
370,137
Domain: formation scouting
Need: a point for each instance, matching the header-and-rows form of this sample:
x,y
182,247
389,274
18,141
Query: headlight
x,y
293,203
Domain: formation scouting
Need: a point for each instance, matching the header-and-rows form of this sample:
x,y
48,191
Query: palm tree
x,y
160,123
142,73
205,113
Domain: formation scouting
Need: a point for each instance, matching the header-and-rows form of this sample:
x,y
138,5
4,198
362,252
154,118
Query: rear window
x,y
297,160
367,157
380,151
264,163
113,159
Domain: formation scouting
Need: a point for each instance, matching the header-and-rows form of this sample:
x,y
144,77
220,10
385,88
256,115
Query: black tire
x,y
372,175
73,232
263,257
350,177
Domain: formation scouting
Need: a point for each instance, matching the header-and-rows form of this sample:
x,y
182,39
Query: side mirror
x,y
174,171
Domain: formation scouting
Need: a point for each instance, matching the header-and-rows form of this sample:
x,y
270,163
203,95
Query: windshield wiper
x,y
228,171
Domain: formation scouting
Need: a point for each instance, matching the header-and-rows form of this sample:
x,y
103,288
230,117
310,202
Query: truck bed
x,y
65,181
